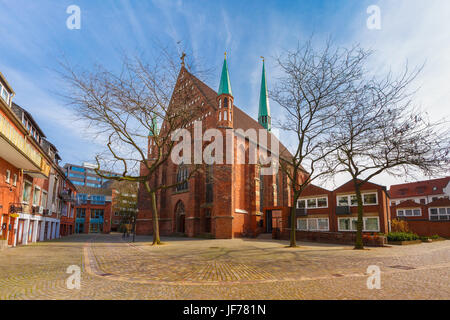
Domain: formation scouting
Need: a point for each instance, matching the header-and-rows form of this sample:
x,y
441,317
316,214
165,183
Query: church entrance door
x,y
180,214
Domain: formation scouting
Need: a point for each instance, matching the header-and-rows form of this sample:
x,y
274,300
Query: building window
x,y
78,183
15,180
76,175
81,213
5,94
98,199
342,201
78,169
26,192
8,176
409,212
368,199
302,224
36,196
440,214
44,199
313,224
312,203
82,198
97,213
182,177
370,224
93,185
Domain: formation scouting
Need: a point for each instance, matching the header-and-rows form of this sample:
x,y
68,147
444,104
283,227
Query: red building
x,y
222,200
31,180
331,216
68,216
422,192
425,205
93,210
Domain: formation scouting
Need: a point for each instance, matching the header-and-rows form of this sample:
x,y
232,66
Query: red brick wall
x,y
430,228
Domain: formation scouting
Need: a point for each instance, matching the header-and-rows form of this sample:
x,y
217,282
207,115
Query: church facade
x,y
226,200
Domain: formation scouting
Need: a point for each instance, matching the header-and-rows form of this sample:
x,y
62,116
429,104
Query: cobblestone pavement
x,y
186,268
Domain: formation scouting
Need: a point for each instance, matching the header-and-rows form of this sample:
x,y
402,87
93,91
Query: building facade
x,y
84,175
422,192
424,205
220,200
30,177
331,216
93,210
68,212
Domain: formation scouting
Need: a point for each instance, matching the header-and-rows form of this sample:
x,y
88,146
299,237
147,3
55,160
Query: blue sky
x,y
34,37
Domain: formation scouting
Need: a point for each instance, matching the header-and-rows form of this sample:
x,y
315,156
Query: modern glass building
x,y
84,175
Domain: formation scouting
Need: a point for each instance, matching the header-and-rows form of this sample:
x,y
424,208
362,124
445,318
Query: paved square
x,y
186,268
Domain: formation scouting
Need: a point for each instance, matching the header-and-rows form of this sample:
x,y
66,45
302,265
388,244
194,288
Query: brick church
x,y
224,200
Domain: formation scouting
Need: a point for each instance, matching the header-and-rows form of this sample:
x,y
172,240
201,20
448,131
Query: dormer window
x,y
4,94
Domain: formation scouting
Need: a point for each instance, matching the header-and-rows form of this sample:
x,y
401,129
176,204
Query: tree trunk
x,y
359,224
293,242
134,228
293,238
156,239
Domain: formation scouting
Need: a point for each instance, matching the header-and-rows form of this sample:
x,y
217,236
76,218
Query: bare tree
x,y
381,132
316,85
124,108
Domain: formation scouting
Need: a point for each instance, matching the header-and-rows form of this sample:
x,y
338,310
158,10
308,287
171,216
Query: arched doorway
x,y
180,215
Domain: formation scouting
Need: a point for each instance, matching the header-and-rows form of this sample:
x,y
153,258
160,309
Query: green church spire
x,y
225,86
154,128
264,109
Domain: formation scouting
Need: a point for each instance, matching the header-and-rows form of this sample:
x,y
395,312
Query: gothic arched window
x,y
182,177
